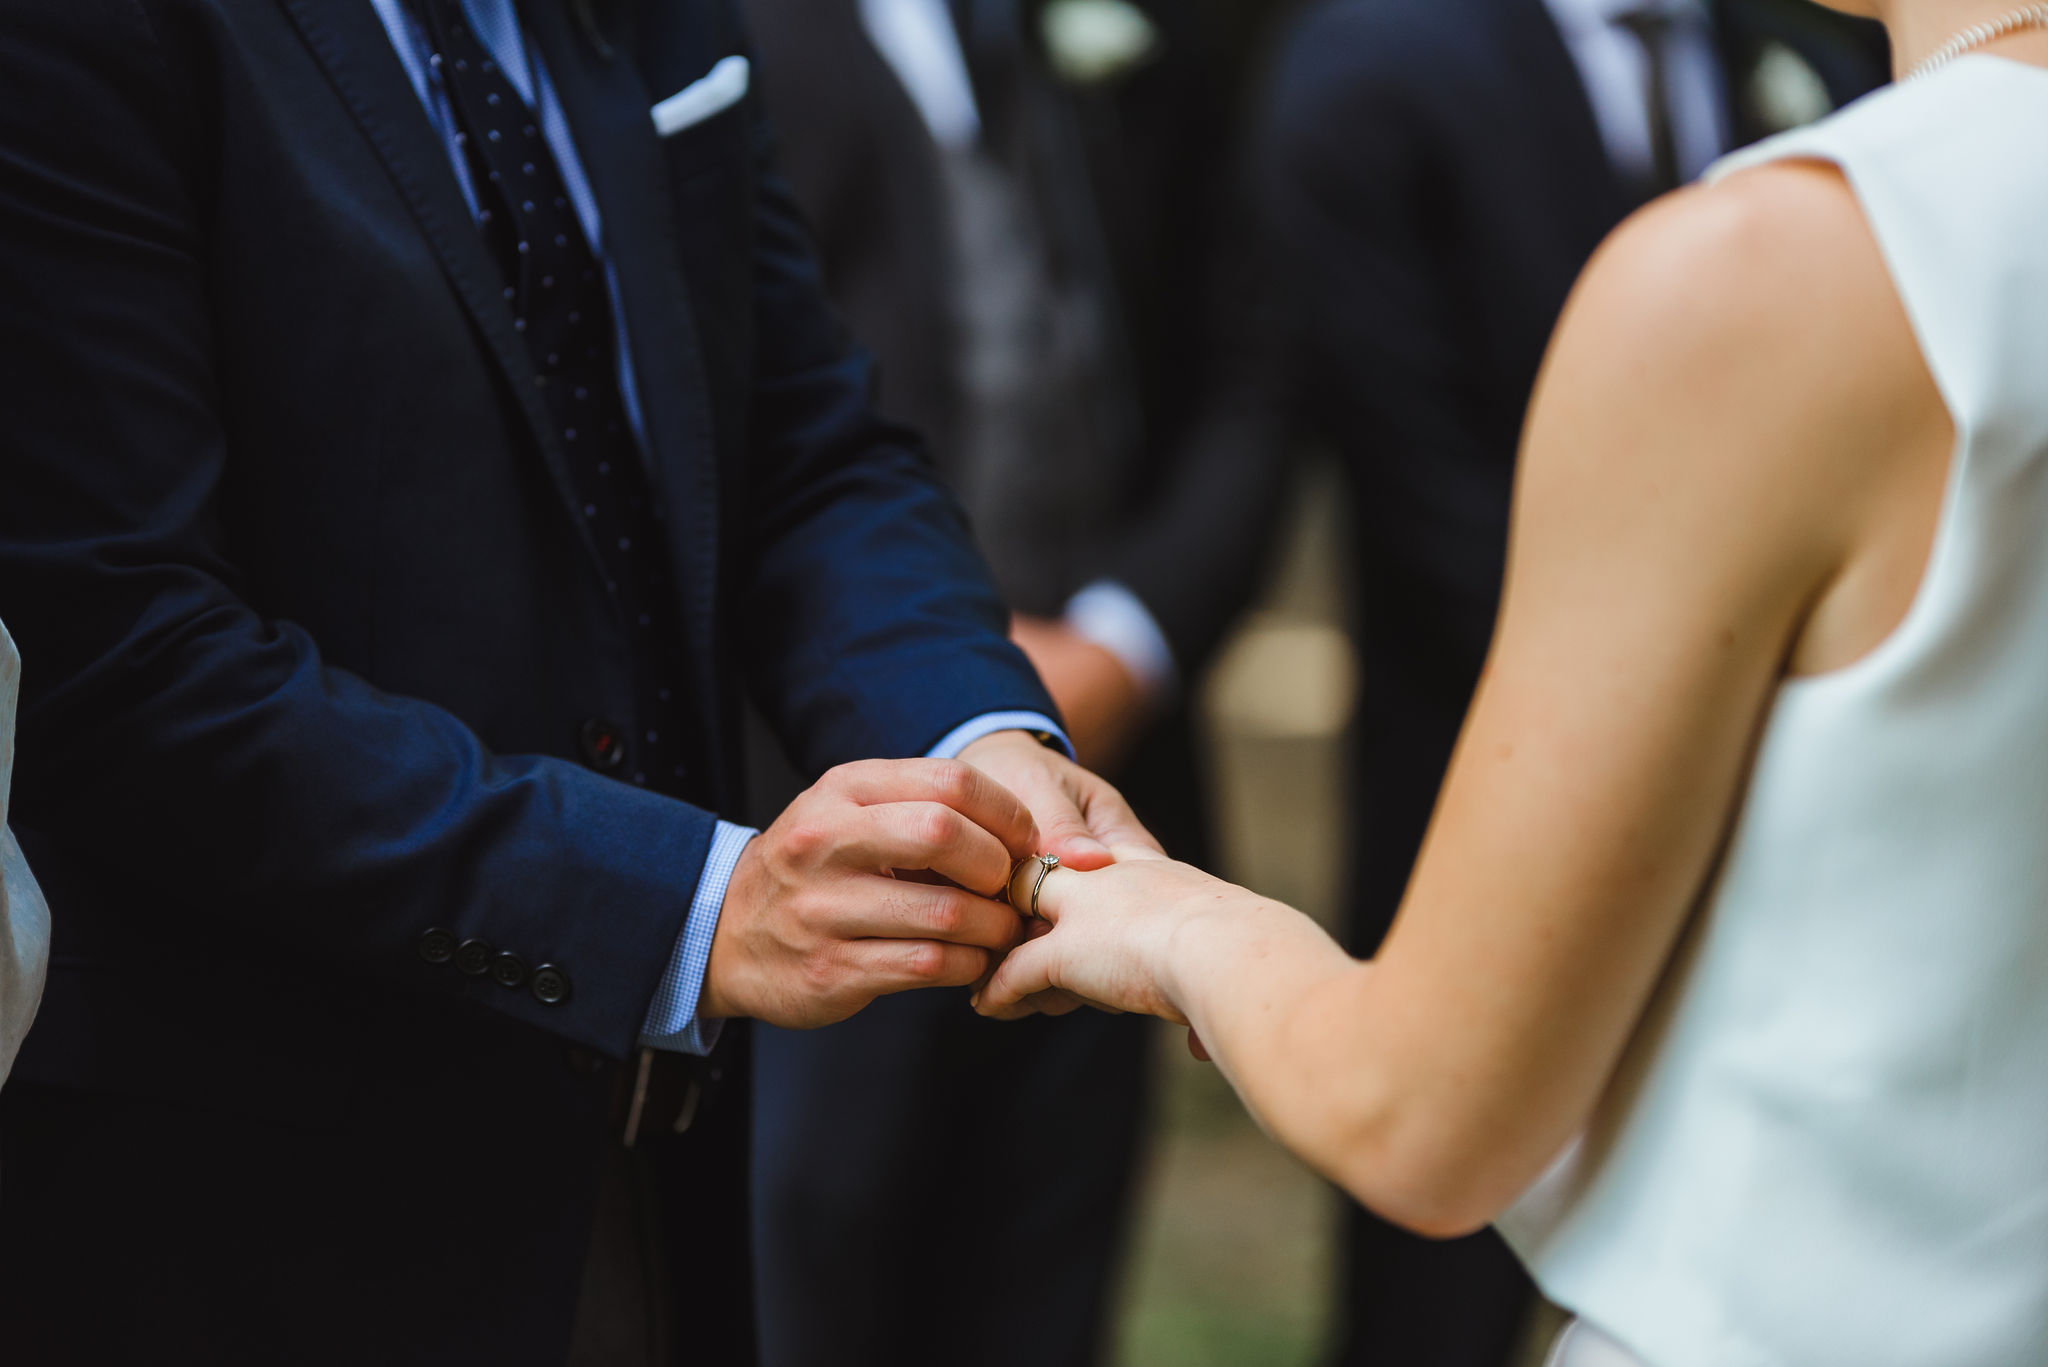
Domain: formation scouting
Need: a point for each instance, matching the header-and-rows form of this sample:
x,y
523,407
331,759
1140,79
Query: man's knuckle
x,y
821,972
946,915
953,780
806,842
932,826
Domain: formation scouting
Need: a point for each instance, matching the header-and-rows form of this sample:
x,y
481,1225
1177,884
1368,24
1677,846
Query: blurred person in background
x,y
1722,980
24,919
1436,174
1019,206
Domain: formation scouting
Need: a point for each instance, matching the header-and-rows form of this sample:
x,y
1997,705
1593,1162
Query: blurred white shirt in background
x,y
1616,74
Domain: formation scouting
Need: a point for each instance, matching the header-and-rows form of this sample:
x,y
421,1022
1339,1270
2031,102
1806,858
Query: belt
x,y
660,1092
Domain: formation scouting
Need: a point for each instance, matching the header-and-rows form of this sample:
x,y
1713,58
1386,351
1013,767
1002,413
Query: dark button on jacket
x,y
437,946
550,985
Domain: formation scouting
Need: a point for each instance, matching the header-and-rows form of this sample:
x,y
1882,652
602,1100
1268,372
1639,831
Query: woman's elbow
x,y
1422,1180
1435,1206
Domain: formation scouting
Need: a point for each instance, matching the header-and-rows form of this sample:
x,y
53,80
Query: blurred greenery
x,y
1231,1262
1231,1259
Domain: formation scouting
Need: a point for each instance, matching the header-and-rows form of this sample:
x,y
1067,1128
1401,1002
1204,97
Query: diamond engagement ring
x,y
1046,864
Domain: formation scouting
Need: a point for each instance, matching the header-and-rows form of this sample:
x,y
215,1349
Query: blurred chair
x,y
1436,173
1018,207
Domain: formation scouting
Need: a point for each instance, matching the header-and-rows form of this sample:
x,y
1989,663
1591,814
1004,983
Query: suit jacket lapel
x,y
349,41
607,105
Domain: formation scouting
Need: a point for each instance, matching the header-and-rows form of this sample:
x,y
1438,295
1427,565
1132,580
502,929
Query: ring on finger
x,y
1046,864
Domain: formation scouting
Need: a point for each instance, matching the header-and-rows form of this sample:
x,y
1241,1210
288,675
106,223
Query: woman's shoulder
x,y
1731,387
1761,303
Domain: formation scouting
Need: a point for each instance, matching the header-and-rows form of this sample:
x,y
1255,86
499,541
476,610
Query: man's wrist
x,y
1038,725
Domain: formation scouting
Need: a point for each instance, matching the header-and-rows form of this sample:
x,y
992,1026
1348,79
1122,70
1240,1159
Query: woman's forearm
x,y
1295,1025
1256,981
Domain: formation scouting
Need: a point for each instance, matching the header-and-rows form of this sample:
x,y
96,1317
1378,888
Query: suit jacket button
x,y
550,985
603,745
437,946
508,970
474,957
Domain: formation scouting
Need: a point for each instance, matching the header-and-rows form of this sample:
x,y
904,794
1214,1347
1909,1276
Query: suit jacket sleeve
x,y
872,627
168,721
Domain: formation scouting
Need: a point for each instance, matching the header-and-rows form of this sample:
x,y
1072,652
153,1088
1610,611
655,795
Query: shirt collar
x,y
1577,16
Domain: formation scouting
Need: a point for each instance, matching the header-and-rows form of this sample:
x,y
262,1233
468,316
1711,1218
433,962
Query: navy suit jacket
x,y
312,634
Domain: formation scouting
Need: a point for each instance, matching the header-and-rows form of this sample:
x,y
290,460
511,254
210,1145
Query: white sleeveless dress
x,y
1828,1143
24,920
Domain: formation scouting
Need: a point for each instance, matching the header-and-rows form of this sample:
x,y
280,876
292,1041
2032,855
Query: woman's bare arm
x,y
1733,467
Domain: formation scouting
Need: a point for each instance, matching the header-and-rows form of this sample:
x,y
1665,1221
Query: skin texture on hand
x,y
876,880
1103,705
1081,818
1118,938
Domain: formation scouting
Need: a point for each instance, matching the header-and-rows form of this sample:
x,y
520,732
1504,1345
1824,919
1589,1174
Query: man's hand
x,y
1078,815
817,923
1103,705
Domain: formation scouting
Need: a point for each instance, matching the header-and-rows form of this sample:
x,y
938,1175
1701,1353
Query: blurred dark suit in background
x,y
1027,252
1437,173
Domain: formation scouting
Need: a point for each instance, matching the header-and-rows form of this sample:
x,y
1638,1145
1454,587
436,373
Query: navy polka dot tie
x,y
561,307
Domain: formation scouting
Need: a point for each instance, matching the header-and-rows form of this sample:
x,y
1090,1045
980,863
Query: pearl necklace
x,y
1977,35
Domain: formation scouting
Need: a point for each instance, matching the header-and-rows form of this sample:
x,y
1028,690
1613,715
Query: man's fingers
x,y
930,835
1112,822
948,782
887,966
1065,833
897,909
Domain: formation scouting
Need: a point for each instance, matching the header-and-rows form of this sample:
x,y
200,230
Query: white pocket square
x,y
720,89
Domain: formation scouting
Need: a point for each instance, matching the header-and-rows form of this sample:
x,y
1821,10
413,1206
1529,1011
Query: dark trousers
x,y
932,1187
152,1230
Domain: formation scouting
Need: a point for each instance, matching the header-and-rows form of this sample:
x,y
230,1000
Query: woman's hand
x,y
1109,937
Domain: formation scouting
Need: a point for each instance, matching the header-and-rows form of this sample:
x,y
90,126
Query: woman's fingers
x,y
1025,973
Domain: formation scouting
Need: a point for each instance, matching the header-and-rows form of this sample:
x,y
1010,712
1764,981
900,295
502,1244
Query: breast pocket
x,y
702,126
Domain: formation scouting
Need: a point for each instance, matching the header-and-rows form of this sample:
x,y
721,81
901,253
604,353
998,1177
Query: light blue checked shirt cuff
x,y
960,737
672,1022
